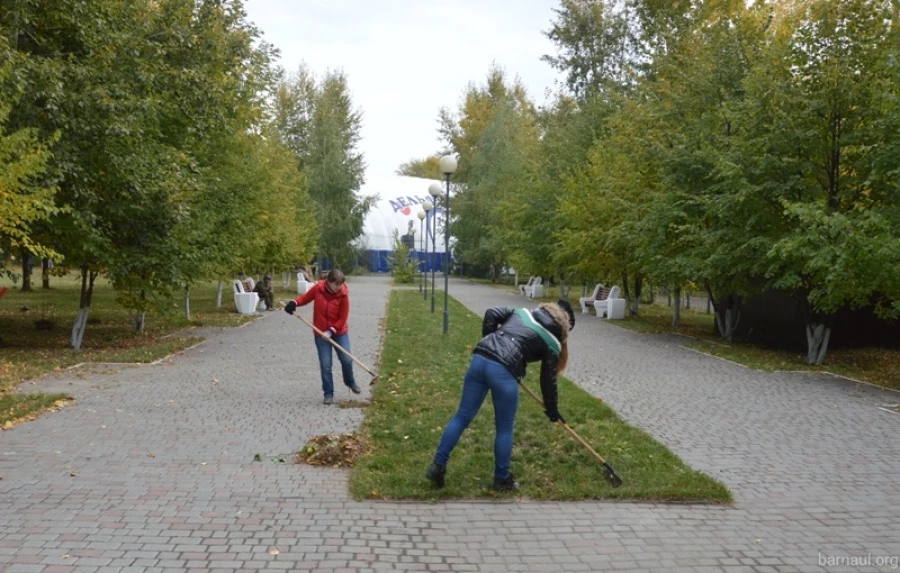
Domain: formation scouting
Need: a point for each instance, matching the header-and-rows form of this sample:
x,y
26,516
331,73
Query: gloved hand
x,y
290,307
327,333
555,416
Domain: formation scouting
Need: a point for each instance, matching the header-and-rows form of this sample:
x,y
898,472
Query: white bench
x,y
303,285
245,302
602,307
600,293
533,288
615,309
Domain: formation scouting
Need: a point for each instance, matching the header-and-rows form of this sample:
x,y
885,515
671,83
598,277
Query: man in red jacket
x,y
331,307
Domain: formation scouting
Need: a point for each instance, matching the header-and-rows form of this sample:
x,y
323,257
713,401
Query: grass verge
x,y
420,384
17,408
879,366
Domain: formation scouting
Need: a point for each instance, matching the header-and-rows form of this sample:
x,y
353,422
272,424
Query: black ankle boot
x,y
436,474
508,484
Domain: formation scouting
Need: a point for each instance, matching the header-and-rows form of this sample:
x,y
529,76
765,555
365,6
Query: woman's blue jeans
x,y
325,349
485,375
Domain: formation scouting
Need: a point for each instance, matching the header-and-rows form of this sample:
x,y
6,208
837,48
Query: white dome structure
x,y
400,200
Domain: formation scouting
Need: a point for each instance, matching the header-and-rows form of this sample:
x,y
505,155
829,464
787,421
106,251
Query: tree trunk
x,y
728,314
626,292
88,277
219,295
817,335
137,321
636,301
187,302
27,265
45,273
79,328
676,315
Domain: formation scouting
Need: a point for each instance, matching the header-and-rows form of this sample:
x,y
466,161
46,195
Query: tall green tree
x,y
136,90
319,124
597,48
818,117
26,196
492,169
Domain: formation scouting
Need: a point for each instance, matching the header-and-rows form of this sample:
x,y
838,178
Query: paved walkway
x,y
151,470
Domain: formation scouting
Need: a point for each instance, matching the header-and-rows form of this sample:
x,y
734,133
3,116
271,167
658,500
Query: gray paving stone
x,y
165,479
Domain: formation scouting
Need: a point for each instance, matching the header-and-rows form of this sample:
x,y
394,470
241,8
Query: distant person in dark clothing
x,y
266,292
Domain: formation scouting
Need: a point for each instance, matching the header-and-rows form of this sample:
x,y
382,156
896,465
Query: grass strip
x,y
420,384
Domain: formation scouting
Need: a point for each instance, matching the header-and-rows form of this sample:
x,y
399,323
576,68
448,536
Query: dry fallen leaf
x,y
274,552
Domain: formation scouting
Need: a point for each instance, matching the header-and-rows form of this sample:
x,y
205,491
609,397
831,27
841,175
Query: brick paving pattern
x,y
152,470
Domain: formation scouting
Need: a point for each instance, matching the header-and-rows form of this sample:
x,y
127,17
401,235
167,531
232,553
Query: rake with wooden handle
x,y
608,472
341,348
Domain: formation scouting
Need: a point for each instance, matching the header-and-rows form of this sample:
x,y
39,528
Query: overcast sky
x,y
404,60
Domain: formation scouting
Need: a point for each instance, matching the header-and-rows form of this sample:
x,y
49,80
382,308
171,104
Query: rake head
x,y
611,476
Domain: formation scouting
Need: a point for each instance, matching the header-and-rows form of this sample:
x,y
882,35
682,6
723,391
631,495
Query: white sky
x,y
404,60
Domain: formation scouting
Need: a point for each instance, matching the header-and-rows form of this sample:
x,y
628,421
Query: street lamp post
x,y
421,266
428,207
448,168
435,191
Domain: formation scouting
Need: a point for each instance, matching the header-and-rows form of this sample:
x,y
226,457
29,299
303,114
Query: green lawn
x,y
27,351
420,383
880,366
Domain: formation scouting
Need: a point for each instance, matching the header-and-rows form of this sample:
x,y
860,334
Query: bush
x,y
403,267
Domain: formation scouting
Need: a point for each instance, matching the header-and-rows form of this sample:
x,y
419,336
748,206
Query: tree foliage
x,y
427,168
740,146
149,119
318,123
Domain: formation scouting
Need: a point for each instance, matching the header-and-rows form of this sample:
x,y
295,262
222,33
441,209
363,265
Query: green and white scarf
x,y
547,336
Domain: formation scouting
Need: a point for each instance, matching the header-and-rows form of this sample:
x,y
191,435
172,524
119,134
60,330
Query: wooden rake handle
x,y
338,346
608,470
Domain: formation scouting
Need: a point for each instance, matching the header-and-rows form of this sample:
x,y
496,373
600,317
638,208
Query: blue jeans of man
x,y
485,375
325,350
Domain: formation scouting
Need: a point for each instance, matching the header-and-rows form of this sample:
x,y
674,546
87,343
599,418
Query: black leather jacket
x,y
512,344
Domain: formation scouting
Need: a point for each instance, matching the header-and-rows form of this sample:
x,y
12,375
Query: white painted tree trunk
x,y
79,327
219,295
187,303
727,324
817,336
137,320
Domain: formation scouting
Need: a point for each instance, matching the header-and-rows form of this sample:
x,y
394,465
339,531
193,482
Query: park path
x,y
151,470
